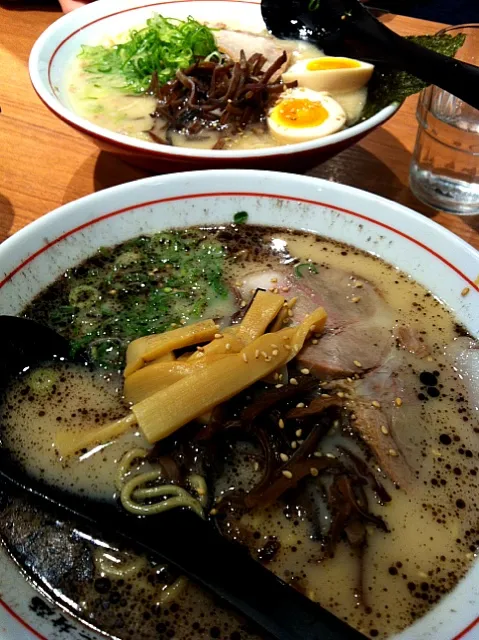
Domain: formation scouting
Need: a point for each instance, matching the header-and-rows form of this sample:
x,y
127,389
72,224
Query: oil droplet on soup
x,y
381,588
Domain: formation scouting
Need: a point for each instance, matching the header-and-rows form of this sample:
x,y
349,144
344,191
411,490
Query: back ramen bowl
x,y
58,46
37,255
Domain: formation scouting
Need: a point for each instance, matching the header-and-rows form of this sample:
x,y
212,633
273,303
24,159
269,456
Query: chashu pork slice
x,y
233,42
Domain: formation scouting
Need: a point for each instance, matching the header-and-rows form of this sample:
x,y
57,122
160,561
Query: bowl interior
x,y
56,49
431,255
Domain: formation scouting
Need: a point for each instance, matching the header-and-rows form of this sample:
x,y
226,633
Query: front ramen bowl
x,y
58,46
440,261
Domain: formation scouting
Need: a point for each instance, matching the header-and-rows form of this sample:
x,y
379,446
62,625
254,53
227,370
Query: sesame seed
x,y
245,357
398,402
290,313
314,472
300,405
285,289
314,341
355,299
256,354
113,292
340,394
280,376
293,381
287,474
330,455
393,452
227,346
358,285
376,404
276,376
384,430
287,347
243,304
299,433
256,466
357,363
465,291
318,454
275,352
284,457
213,512
264,354
218,335
278,386
238,283
325,395
274,279
200,348
281,423
294,444
305,372
285,337
274,346
353,416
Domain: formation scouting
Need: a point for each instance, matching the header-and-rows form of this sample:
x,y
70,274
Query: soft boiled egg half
x,y
327,73
302,114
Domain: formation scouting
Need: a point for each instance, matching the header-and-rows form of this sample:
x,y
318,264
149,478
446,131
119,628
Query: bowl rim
x,y
79,20
57,226
15,242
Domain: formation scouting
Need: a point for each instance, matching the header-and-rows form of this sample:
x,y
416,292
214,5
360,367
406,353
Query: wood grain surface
x,y
44,163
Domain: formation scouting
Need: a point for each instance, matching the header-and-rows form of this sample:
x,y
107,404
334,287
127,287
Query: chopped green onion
x,y
305,265
163,46
42,382
241,217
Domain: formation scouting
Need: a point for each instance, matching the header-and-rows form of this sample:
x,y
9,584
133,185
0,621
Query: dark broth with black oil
x,y
379,581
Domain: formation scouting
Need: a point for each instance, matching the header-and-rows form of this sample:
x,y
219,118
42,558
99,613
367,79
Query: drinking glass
x,y
444,171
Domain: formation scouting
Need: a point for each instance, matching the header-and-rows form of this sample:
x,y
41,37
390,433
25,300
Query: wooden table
x,y
44,163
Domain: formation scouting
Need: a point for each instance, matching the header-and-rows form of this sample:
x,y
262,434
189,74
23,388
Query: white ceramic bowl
x,y
59,44
38,254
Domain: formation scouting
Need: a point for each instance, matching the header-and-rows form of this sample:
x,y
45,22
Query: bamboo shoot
x,y
69,442
152,347
169,409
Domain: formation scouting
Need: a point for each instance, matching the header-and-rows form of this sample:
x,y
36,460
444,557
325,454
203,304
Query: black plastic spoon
x,y
347,28
177,537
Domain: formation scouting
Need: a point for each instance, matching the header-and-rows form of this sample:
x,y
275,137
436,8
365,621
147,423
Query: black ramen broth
x,y
377,519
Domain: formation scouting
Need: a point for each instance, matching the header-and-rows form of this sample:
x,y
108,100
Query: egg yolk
x,y
297,113
327,64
